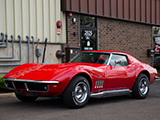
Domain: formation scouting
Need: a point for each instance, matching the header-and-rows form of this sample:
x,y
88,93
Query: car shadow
x,y
40,103
57,103
109,100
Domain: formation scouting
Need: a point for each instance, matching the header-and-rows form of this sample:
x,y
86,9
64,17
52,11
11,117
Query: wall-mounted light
x,y
150,53
59,24
74,20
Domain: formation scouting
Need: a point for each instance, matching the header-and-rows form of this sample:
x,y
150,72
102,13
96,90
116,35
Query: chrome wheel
x,y
143,86
77,92
80,92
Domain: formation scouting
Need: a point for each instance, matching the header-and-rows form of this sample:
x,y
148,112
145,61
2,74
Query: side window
x,y
118,60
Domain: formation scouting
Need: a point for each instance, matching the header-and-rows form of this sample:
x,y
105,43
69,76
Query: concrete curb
x,y
7,94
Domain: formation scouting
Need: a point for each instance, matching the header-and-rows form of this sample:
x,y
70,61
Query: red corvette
x,y
90,74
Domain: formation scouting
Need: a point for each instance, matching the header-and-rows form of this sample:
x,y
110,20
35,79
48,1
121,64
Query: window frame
x,y
119,55
82,27
93,53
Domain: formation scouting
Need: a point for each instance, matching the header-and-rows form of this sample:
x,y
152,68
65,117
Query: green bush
x,y
2,86
157,66
158,72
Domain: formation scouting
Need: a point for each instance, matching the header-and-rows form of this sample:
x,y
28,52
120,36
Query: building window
x,y
88,30
88,21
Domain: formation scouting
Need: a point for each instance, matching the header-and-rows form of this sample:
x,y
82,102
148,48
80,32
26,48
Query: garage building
x,y
122,25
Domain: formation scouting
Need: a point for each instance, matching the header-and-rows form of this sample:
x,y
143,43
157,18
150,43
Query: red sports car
x,y
94,73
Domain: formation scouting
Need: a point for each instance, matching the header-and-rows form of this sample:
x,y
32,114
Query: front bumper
x,y
28,85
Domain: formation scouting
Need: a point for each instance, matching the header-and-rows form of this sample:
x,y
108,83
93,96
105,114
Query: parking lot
x,y
115,108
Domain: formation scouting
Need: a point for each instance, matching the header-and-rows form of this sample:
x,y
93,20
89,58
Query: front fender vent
x,y
99,84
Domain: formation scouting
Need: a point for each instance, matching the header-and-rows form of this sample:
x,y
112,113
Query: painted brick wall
x,y
133,38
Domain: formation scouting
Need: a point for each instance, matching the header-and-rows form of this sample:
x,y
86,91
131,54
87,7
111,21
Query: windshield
x,y
91,57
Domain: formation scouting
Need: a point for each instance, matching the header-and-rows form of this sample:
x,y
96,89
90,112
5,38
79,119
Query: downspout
x,y
12,50
28,49
2,34
33,47
3,40
14,60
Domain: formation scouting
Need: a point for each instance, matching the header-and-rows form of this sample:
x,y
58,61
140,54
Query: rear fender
x,y
144,72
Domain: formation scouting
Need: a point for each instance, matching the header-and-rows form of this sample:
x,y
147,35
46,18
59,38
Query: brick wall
x,y
71,28
133,38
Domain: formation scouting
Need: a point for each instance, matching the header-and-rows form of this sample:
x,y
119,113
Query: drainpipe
x,y
14,60
33,47
28,49
7,65
3,40
44,52
2,34
12,50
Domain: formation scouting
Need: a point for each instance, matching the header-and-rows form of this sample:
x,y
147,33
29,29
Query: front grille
x,y
37,86
19,85
29,86
9,84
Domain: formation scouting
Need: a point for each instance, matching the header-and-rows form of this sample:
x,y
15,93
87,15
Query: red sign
x,y
58,31
156,49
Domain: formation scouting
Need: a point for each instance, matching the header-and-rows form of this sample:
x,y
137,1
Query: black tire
x,y
141,87
25,98
77,93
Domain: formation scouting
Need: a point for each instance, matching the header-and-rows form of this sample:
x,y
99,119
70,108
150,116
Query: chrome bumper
x,y
28,85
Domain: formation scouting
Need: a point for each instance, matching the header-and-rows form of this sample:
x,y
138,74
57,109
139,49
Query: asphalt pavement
x,y
114,108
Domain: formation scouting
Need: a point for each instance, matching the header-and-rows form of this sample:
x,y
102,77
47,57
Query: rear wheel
x,y
25,98
141,87
77,93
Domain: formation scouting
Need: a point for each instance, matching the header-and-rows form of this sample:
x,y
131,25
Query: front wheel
x,y
141,87
77,93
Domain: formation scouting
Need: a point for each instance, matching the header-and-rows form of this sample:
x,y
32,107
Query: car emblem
x,y
22,74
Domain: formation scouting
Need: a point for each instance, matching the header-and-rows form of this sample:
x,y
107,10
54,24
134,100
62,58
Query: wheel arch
x,y
136,89
144,72
86,76
70,94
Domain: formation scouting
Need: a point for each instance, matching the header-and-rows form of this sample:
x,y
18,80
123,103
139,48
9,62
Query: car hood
x,y
33,71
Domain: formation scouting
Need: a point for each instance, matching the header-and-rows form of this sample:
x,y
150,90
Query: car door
x,y
119,72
